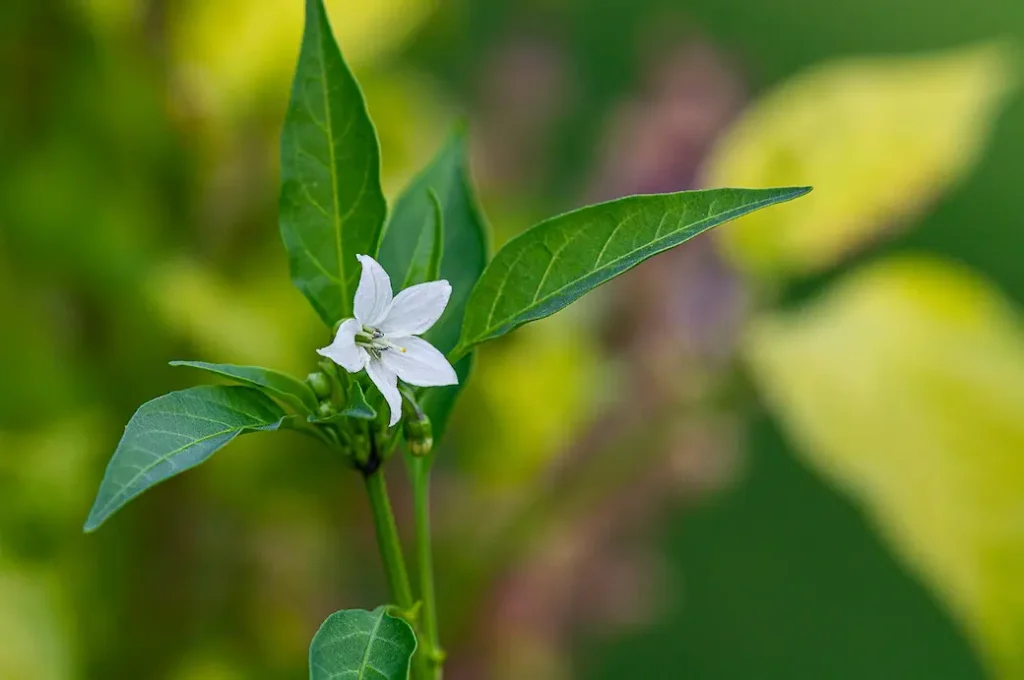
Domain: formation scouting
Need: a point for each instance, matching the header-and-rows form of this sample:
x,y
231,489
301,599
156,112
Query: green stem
x,y
387,540
432,655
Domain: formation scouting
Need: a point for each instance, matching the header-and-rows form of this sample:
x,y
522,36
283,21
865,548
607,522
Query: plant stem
x,y
387,540
419,468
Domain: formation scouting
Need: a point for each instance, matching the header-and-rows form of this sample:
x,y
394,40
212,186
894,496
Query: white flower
x,y
382,338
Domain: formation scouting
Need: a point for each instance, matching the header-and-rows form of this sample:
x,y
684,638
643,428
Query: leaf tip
x,y
92,523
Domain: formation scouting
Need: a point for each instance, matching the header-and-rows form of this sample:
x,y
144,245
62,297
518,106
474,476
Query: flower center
x,y
373,341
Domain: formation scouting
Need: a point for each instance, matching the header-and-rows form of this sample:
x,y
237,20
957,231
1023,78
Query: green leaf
x,y
332,207
438,402
462,261
411,229
176,432
555,262
292,391
432,271
357,407
360,644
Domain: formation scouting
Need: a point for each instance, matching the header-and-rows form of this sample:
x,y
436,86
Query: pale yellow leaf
x,y
260,320
879,138
905,386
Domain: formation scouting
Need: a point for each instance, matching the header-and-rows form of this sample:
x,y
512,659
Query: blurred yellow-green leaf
x,y
234,50
905,385
42,470
260,321
878,137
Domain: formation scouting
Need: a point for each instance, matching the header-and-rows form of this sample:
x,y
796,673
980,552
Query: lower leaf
x,y
360,644
175,432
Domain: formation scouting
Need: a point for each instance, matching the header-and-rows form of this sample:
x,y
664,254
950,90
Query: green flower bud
x,y
326,409
320,384
419,435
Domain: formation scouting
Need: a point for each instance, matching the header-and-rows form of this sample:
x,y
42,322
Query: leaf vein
x,y
650,245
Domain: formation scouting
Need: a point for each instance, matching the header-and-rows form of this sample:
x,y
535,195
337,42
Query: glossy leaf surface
x,y
332,207
555,262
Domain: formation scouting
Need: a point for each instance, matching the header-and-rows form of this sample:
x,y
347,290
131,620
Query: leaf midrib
x,y
328,129
163,459
369,646
538,302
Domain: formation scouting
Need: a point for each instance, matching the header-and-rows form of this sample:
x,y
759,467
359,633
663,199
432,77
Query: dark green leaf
x,y
433,269
555,262
411,229
356,407
463,259
176,432
438,402
292,391
332,207
359,644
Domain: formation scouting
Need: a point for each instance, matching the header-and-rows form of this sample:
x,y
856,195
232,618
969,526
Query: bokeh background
x,y
791,449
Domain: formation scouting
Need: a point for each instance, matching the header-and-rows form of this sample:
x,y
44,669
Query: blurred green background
x,y
792,450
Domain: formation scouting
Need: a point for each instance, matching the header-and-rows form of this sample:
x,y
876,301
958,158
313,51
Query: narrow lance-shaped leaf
x,y
176,432
463,259
360,644
555,262
332,207
291,391
407,240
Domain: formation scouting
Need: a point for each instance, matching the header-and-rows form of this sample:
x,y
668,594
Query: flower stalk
x,y
432,654
387,539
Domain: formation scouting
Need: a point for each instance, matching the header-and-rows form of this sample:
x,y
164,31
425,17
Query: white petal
x,y
387,382
373,296
420,364
417,308
344,351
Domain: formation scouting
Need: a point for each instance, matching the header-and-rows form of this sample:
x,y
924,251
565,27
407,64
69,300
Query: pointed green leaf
x,y
356,407
332,207
438,402
410,231
355,643
555,262
176,432
291,391
462,261
432,271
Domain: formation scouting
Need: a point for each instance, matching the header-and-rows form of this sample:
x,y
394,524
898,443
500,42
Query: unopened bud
x,y
419,435
320,384
326,409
